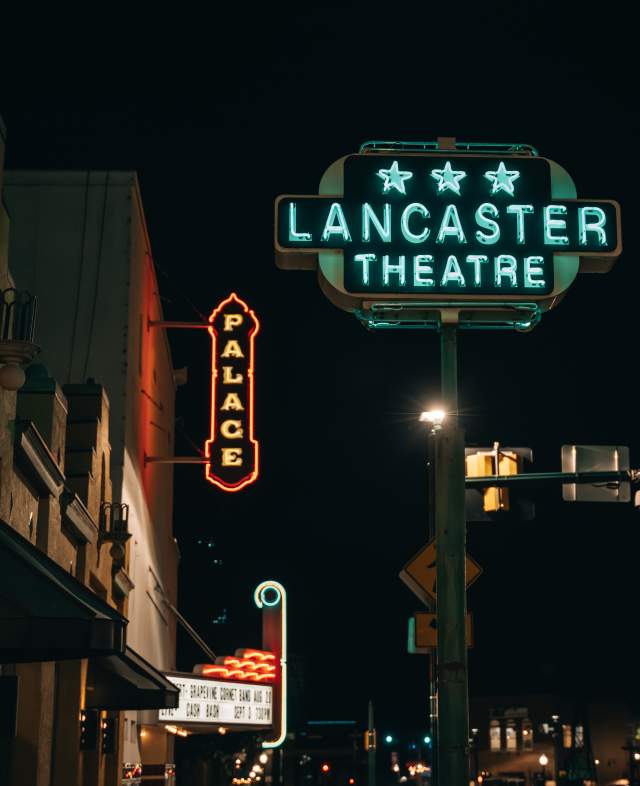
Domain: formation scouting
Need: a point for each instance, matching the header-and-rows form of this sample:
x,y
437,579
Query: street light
x,y
435,417
543,763
476,752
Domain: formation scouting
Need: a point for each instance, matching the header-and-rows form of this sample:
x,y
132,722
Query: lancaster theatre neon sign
x,y
232,451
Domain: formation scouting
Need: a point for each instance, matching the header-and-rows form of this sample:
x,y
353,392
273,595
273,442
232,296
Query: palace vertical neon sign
x,y
232,450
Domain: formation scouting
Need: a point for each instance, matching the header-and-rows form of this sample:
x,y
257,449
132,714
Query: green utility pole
x,y
371,753
453,711
432,439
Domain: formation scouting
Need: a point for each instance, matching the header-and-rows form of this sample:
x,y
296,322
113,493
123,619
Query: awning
x,y
47,614
127,682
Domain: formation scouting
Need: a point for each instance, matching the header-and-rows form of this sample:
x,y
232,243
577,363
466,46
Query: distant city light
x,y
427,740
388,738
263,758
543,760
325,767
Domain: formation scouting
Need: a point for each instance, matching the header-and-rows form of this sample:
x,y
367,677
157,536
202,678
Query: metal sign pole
x,y
453,720
432,438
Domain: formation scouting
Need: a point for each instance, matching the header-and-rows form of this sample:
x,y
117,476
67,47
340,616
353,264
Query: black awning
x,y
127,682
47,614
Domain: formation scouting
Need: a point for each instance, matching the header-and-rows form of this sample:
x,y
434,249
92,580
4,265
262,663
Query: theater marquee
x,y
232,449
207,701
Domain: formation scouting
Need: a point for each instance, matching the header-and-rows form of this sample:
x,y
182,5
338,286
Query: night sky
x,y
219,117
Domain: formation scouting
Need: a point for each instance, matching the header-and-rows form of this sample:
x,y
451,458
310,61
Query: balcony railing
x,y
114,521
17,315
17,330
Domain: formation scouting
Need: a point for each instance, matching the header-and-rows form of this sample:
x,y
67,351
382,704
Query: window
x,y
579,738
494,735
511,737
567,736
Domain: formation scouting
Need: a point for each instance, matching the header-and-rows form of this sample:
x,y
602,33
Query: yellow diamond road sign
x,y
419,574
426,631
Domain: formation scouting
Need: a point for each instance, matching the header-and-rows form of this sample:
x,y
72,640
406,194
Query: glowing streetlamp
x,y
543,763
434,417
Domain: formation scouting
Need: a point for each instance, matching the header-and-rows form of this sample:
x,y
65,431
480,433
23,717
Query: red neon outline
x,y
257,654
250,372
246,665
207,670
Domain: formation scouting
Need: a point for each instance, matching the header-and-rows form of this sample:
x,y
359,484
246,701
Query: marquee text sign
x,y
207,701
232,450
445,227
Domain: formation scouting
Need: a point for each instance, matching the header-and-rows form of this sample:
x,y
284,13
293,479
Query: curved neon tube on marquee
x,y
262,600
230,428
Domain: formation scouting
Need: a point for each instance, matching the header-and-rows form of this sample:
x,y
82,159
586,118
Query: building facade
x,y
99,401
551,737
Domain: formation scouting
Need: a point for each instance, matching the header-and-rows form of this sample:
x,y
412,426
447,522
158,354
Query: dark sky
x,y
218,116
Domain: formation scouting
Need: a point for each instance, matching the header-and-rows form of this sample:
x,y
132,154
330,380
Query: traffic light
x,y
88,730
109,734
486,504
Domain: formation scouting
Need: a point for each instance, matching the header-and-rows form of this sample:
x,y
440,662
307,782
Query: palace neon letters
x,y
231,449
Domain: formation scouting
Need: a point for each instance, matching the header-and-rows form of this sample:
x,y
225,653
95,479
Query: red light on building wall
x,y
232,451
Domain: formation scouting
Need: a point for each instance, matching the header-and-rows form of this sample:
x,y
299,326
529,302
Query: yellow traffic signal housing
x,y
483,464
370,740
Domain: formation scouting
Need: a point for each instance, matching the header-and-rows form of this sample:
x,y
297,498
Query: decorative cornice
x,y
76,518
36,461
122,583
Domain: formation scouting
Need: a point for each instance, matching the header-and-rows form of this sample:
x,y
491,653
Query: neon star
x,y
449,179
394,178
502,179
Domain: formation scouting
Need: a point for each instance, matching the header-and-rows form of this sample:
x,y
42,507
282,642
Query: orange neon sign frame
x,y
248,415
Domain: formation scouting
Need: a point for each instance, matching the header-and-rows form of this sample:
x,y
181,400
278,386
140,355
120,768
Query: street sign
x,y
448,227
419,574
425,631
595,458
